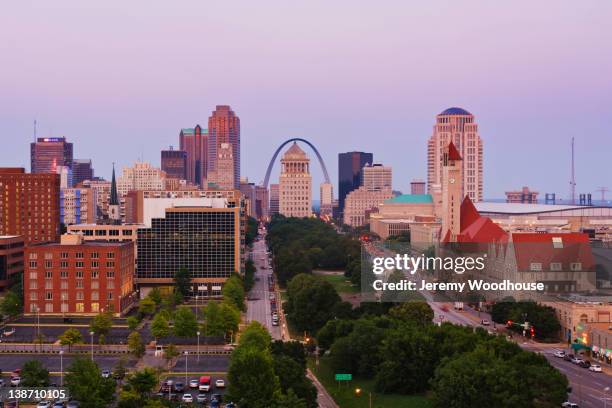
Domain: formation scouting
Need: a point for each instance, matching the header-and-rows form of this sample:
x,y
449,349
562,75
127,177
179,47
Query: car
x,y
106,373
274,322
220,383
43,404
187,398
272,297
179,387
194,383
217,397
73,404
1,382
214,404
202,398
568,404
596,368
9,332
568,357
559,354
577,360
485,322
58,404
68,320
230,405
15,381
584,364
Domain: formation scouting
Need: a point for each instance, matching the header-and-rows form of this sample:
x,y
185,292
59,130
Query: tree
x,y
221,319
155,295
34,374
311,302
292,377
120,369
185,323
255,335
101,323
135,344
169,353
182,281
419,313
233,291
132,322
160,326
249,275
87,386
142,382
251,231
11,304
146,306
70,337
291,400
252,381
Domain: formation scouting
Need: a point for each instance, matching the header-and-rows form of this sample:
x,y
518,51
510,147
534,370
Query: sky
x,y
120,79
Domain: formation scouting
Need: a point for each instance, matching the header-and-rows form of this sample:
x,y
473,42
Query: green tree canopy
x,y
182,281
69,337
252,380
146,306
87,386
311,302
419,313
160,326
185,324
34,374
135,344
11,304
101,323
255,335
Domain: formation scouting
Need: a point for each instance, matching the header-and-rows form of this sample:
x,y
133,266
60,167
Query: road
x,y
259,309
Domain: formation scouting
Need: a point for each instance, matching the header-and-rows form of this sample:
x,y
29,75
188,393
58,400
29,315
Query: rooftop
x,y
523,208
455,111
411,199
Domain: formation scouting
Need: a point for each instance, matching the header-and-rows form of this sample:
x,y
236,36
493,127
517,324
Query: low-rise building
x,y
11,258
77,277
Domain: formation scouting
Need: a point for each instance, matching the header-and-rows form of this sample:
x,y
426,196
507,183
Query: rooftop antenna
x,y
603,191
573,179
35,129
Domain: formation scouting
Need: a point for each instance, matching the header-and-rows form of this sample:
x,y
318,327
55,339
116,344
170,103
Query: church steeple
x,y
114,197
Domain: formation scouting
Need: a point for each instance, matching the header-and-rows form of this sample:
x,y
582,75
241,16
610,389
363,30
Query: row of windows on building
x,y
77,264
556,266
65,308
76,275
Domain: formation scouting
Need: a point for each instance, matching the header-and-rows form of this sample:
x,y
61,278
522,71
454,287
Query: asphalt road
x,y
259,297
10,362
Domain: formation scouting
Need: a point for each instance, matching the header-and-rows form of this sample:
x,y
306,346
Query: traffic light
x,y
509,323
532,332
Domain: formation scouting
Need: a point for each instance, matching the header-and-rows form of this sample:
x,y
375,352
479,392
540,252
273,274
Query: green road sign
x,y
344,377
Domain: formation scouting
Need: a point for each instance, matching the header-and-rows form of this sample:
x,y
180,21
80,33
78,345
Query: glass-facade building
x,y
204,240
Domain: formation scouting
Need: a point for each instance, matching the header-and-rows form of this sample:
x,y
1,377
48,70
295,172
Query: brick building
x,y
11,258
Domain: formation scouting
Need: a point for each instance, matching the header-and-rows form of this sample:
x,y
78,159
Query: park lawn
x,y
341,283
344,393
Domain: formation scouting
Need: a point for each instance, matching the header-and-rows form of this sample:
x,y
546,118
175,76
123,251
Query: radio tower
x,y
573,179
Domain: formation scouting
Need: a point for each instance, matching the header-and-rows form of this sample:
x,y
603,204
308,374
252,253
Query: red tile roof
x,y
539,248
453,153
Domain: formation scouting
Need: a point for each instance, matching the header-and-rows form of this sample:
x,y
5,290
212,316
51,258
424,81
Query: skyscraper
x,y
174,163
49,152
30,205
274,199
295,185
375,177
350,165
224,127
327,198
458,126
223,175
81,170
417,186
194,141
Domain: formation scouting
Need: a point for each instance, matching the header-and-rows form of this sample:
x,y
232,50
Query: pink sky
x,y
120,79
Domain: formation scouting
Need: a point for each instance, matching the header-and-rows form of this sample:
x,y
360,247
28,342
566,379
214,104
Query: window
x,y
79,255
64,296
78,274
79,284
33,275
110,264
110,255
49,275
110,274
64,264
110,295
64,308
94,295
110,285
95,274
556,266
94,255
48,307
64,274
79,264
557,242
64,255
95,307
94,264
79,295
95,284
576,266
49,264
33,285
33,264
33,255
64,285
535,266
80,308
33,296
49,295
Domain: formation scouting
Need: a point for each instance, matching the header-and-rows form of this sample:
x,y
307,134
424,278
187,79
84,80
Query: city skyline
x,y
549,86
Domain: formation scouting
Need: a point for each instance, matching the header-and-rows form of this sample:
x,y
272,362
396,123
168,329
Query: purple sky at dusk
x,y
120,79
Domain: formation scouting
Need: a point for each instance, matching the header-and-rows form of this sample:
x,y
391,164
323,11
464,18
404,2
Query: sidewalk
x,y
323,398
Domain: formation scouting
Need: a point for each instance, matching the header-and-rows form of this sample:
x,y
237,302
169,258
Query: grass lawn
x,y
341,283
344,393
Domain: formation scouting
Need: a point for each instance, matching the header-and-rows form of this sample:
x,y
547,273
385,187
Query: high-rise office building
x,y
224,127
350,165
81,170
327,199
142,176
174,163
102,192
417,187
49,152
203,239
65,174
452,192
223,175
458,126
274,199
194,142
248,192
375,177
29,205
262,202
77,205
295,184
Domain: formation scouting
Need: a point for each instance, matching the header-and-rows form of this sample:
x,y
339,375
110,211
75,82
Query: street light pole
x,y
198,358
91,333
186,353
61,353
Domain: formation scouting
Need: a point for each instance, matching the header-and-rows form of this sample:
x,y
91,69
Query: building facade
x,y
524,196
295,184
223,176
174,163
376,177
11,259
49,152
350,166
327,199
262,203
458,126
274,199
206,241
78,277
142,176
77,205
359,202
224,127
81,170
417,187
101,191
194,142
30,205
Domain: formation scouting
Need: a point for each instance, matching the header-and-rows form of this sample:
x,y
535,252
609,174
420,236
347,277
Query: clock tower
x,y
452,180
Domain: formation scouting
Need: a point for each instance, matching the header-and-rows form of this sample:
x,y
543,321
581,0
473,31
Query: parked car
x,y
568,357
485,322
584,364
220,383
179,387
559,354
596,368
15,381
568,404
187,398
193,383
9,331
577,360
106,373
43,404
73,404
202,398
58,404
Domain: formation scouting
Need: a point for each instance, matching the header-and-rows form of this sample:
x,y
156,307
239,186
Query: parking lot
x,y
10,362
207,363
186,389
50,334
